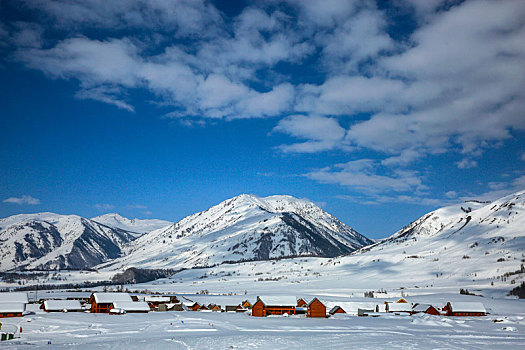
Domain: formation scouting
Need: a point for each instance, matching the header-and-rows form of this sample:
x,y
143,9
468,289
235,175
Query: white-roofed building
x,y
14,297
11,309
132,306
465,309
399,308
61,305
13,304
102,302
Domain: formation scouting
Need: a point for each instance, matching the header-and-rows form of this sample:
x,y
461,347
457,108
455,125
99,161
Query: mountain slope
x,y
132,225
52,241
244,228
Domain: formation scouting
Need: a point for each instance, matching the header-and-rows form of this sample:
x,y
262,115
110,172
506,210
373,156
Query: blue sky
x,y
378,112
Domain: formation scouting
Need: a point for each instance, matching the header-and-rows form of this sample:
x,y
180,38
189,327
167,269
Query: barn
x,y
316,308
465,309
13,304
103,302
61,305
425,308
132,306
274,305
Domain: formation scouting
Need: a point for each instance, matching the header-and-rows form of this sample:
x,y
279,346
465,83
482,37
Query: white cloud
x,y
364,176
137,206
467,163
25,199
103,206
523,156
451,194
499,189
324,133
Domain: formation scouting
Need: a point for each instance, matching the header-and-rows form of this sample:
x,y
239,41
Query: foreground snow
x,y
207,330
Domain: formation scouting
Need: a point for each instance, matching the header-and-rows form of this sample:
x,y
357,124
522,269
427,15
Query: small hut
x,y
425,308
337,310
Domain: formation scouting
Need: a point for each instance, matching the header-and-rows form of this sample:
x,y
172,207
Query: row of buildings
x,y
269,305
14,305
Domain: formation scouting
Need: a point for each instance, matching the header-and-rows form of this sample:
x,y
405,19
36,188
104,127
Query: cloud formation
x,y
22,200
337,75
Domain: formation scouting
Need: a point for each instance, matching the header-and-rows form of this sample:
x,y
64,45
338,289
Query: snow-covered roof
x,y
106,298
421,307
351,307
59,305
398,307
12,307
157,299
279,300
131,305
467,307
14,297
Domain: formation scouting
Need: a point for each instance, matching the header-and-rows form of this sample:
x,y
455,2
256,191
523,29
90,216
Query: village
x,y
16,305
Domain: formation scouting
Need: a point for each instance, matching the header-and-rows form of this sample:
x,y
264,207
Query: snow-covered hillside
x,y
53,241
132,225
244,228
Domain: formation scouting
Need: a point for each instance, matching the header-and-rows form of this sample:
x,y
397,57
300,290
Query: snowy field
x,y
207,330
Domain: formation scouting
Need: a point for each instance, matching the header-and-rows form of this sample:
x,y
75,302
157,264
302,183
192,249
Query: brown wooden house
x,y
270,305
13,304
103,302
246,304
465,309
316,308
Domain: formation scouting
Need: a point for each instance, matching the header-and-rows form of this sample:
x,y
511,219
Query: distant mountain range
x,y
242,228
462,243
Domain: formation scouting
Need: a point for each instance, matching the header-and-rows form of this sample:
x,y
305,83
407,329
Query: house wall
x,y
316,309
10,314
258,309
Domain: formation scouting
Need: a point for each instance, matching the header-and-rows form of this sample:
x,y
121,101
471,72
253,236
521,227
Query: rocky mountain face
x,y
48,241
241,229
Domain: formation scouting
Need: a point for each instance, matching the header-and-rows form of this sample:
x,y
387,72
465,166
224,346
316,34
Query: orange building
x,y
270,305
316,308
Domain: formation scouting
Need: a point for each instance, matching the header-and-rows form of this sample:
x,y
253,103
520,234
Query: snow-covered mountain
x,y
132,225
53,241
244,228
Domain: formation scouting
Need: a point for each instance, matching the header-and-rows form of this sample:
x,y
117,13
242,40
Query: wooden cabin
x,y
194,307
465,309
246,304
61,306
316,308
177,307
131,306
301,302
13,304
402,300
337,310
425,308
271,305
103,302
